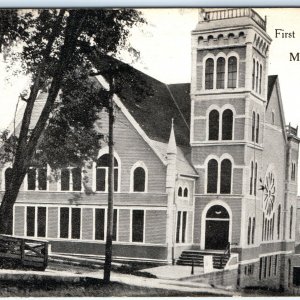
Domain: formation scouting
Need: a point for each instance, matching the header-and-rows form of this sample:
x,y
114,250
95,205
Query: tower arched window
x,y
186,193
291,221
212,176
257,128
8,177
213,130
255,179
102,173
179,192
257,75
253,75
227,124
221,73
260,78
249,231
232,72
225,187
278,221
209,74
251,178
139,179
253,127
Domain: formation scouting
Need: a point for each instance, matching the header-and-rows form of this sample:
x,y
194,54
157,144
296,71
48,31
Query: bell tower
x,y
229,87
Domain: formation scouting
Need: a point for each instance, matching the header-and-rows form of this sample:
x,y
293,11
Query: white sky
x,y
164,44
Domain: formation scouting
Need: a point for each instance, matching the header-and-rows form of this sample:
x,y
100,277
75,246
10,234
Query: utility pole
x,y
110,200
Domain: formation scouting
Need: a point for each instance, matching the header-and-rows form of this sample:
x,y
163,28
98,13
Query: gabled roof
x,y
154,111
271,83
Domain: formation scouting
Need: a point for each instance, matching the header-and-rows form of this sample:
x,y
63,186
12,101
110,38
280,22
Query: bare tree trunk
x,y
110,205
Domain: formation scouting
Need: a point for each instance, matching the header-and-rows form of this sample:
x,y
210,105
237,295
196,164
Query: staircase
x,y
188,257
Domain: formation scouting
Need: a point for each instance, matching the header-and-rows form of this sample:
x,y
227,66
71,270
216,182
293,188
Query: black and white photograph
x,y
149,152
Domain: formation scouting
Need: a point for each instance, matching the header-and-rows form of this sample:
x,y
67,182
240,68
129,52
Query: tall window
x,y
232,72
30,220
293,172
257,74
213,133
137,226
180,191
225,177
249,231
102,173
212,176
70,179
278,221
36,221
253,231
66,215
255,179
291,221
209,74
257,128
37,179
253,75
8,177
99,224
139,179
260,78
253,127
220,73
251,178
227,121
181,227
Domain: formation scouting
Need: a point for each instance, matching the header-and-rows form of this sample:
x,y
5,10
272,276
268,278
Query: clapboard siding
x,y
124,225
19,219
87,223
155,227
199,130
120,199
52,222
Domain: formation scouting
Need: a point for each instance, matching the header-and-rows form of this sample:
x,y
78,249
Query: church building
x,y
205,172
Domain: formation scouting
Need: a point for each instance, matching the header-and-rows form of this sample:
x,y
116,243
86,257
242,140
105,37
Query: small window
x,y
137,226
232,72
209,74
278,221
42,179
253,231
212,176
257,76
225,187
255,180
185,193
139,178
180,191
213,130
253,75
260,78
251,178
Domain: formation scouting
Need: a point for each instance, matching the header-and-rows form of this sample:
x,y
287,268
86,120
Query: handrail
x,y
226,254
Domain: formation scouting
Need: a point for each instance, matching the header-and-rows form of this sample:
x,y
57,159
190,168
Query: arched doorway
x,y
216,228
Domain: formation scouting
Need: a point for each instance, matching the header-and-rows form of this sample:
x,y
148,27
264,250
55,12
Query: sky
x,y
165,54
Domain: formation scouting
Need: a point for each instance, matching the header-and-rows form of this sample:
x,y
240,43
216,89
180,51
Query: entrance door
x,y
217,228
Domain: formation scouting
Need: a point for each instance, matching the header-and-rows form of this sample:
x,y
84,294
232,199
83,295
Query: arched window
x,y
253,75
212,176
37,179
139,179
185,193
227,122
180,191
278,221
31,179
251,177
221,73
257,74
209,74
213,130
260,78
232,72
102,173
291,221
65,180
249,231
76,179
8,177
253,231
225,187
257,128
217,212
255,179
70,179
253,127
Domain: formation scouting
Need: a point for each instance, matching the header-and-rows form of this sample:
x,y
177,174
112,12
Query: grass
x,y
85,287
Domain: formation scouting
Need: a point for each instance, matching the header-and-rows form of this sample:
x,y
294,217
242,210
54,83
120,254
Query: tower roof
x,y
172,148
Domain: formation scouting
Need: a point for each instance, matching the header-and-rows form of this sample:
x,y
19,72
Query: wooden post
x,y
110,205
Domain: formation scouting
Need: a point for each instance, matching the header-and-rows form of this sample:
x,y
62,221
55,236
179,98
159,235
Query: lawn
x,y
85,287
